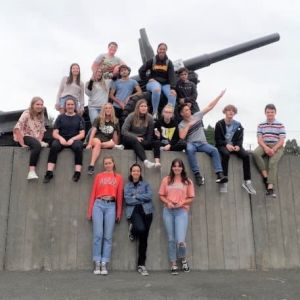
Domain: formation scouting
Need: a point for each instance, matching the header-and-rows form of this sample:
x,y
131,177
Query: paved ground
x,y
204,285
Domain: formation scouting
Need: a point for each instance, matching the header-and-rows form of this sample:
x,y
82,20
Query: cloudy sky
x,y
40,39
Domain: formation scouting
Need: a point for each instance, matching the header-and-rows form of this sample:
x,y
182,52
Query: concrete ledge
x,y
6,162
47,227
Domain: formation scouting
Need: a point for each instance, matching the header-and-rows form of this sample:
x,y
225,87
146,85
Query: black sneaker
x,y
199,179
48,176
76,176
221,178
271,193
130,234
174,270
185,266
91,170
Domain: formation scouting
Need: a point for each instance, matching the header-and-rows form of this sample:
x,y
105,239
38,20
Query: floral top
x,y
30,127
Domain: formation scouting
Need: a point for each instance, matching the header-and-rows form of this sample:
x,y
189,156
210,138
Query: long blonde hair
x,y
102,116
137,120
32,113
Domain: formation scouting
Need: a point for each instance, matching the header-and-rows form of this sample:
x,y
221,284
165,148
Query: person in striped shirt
x,y
270,137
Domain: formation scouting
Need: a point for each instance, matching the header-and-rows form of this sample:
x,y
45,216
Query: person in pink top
x,y
176,192
29,133
105,208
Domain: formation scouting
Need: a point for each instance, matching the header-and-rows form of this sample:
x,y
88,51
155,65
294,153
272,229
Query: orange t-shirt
x,y
177,191
107,184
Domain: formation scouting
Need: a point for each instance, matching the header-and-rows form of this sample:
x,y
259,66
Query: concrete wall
x,y
44,226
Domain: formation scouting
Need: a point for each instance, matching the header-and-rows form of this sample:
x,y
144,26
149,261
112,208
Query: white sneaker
x,y
44,144
97,268
103,269
247,185
142,270
223,188
32,175
148,164
119,147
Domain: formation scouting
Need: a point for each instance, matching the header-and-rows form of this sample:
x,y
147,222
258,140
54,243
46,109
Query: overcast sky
x,y
40,39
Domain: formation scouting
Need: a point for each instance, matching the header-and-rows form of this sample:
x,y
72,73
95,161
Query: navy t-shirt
x,y
69,126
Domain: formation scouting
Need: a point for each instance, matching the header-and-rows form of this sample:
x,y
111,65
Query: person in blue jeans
x,y
161,78
139,208
105,208
192,130
176,192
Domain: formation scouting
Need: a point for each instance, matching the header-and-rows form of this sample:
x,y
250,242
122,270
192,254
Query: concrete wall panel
x,y
47,225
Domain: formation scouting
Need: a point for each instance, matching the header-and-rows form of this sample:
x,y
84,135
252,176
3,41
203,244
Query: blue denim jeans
x,y
104,215
212,151
176,223
153,86
93,113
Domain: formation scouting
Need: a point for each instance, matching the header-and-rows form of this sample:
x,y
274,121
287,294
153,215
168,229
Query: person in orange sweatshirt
x,y
105,208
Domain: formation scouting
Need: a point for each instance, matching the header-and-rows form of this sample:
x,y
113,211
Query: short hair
x,y
168,106
182,106
230,107
113,43
183,69
270,106
124,67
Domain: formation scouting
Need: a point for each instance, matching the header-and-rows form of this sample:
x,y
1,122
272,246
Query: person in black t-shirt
x,y
105,134
186,92
166,134
68,133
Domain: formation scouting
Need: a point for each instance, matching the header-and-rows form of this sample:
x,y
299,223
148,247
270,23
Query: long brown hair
x,y
70,77
32,113
184,178
137,120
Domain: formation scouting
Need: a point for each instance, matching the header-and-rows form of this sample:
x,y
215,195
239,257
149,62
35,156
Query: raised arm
x,y
213,103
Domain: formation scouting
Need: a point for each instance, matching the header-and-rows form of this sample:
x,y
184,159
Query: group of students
x,y
105,208
179,127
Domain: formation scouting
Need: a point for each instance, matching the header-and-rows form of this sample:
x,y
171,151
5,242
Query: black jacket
x,y
188,91
220,131
162,71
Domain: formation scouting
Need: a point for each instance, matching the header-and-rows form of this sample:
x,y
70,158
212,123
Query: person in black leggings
x,y
137,132
68,133
29,132
139,209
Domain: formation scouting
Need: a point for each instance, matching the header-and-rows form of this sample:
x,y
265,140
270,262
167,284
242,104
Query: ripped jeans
x,y
176,223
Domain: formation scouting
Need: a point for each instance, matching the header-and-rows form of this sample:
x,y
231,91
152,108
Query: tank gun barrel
x,y
205,60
